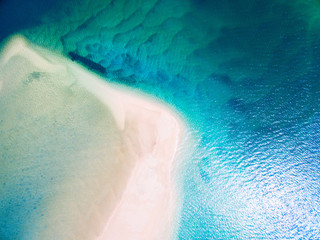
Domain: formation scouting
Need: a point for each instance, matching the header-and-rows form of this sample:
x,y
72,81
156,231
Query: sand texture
x,y
99,156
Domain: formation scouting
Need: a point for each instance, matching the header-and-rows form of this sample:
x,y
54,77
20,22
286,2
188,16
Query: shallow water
x,y
244,74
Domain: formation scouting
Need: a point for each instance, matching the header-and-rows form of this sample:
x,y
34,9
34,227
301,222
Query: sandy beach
x,y
142,205
152,132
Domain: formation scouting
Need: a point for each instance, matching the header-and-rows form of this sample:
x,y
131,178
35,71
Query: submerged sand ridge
x,y
128,192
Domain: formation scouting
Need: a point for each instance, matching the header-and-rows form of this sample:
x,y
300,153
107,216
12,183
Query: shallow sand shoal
x,y
144,207
147,205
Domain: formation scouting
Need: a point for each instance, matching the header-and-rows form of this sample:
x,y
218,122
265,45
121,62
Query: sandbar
x,y
144,204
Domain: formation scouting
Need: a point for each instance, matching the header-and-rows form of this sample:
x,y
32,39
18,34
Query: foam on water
x,y
246,76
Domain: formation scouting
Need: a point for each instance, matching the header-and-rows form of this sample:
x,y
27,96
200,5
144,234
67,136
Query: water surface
x,y
244,74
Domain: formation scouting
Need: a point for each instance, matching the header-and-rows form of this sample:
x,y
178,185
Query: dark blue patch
x,y
87,62
19,14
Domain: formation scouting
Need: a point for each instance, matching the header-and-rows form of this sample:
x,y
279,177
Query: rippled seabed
x,y
245,74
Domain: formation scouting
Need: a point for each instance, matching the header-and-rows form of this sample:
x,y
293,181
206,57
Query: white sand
x,y
146,206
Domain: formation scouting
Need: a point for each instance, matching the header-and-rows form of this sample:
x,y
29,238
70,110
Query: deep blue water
x,y
17,14
245,75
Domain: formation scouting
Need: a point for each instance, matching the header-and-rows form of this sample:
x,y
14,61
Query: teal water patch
x,y
245,74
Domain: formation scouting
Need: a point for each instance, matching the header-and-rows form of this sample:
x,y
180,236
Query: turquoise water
x,y
244,74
